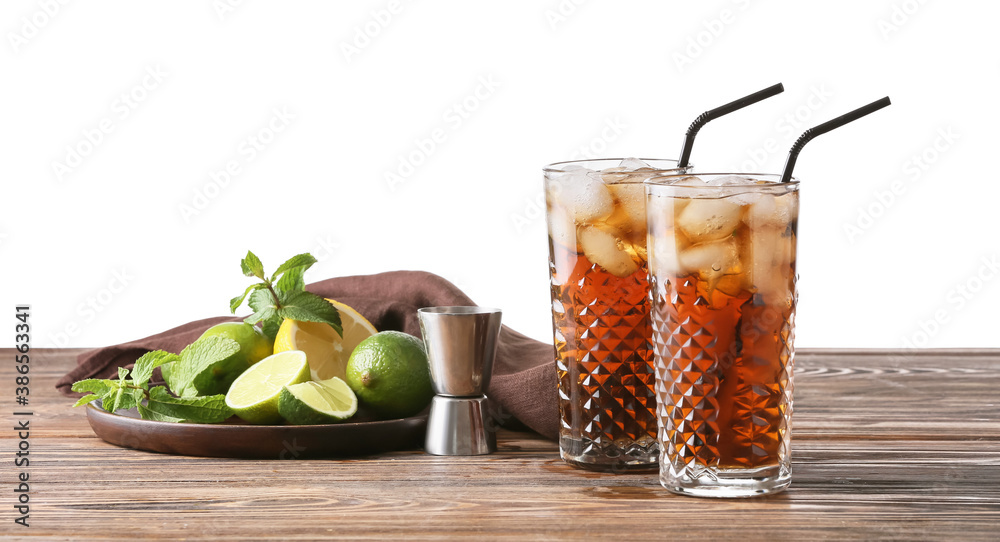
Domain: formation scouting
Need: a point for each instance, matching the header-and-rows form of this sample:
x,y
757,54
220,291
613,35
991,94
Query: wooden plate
x,y
236,439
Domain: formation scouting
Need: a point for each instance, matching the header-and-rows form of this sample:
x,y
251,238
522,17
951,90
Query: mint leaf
x,y
270,327
235,302
86,399
263,303
210,409
177,384
94,385
304,261
262,300
121,398
198,357
98,389
251,266
122,374
291,280
111,399
266,316
147,414
108,397
135,397
204,352
309,307
143,369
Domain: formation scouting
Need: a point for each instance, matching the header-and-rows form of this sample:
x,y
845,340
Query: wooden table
x,y
888,445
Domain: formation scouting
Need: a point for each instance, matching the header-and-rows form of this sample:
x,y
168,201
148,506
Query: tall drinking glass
x,y
722,281
600,311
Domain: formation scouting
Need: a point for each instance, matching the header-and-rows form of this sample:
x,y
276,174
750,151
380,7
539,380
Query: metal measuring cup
x,y
461,345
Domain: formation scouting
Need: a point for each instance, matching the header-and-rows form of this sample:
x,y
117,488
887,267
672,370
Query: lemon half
x,y
326,351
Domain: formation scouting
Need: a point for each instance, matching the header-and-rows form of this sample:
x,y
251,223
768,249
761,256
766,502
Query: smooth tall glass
x,y
600,311
722,280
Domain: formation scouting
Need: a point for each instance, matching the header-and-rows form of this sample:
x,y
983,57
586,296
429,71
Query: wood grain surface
x,y
887,445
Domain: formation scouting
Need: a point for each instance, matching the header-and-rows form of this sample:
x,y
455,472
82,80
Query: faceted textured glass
x,y
722,283
596,217
604,363
747,436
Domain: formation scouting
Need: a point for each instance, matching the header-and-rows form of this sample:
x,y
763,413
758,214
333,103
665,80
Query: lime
x,y
389,373
329,401
254,346
326,350
254,395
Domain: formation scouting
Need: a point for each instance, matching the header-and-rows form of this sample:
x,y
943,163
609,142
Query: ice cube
x,y
632,164
740,190
761,207
761,252
561,228
583,194
731,180
768,255
614,175
731,285
681,202
606,250
638,251
638,176
630,211
711,260
772,210
775,289
704,220
664,253
786,208
690,180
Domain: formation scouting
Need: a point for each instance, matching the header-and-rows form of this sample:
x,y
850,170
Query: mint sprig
x,y
283,295
206,409
131,390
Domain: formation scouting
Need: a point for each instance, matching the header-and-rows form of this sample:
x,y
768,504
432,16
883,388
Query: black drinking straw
x,y
809,134
720,111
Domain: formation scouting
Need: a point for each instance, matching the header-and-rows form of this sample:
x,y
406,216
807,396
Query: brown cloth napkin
x,y
524,380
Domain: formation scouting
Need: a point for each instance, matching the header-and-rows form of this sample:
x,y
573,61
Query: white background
x,y
104,252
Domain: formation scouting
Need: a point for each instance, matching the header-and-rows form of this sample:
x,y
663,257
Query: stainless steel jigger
x,y
461,343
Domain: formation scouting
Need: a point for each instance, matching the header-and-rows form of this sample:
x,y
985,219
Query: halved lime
x,y
254,395
328,401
